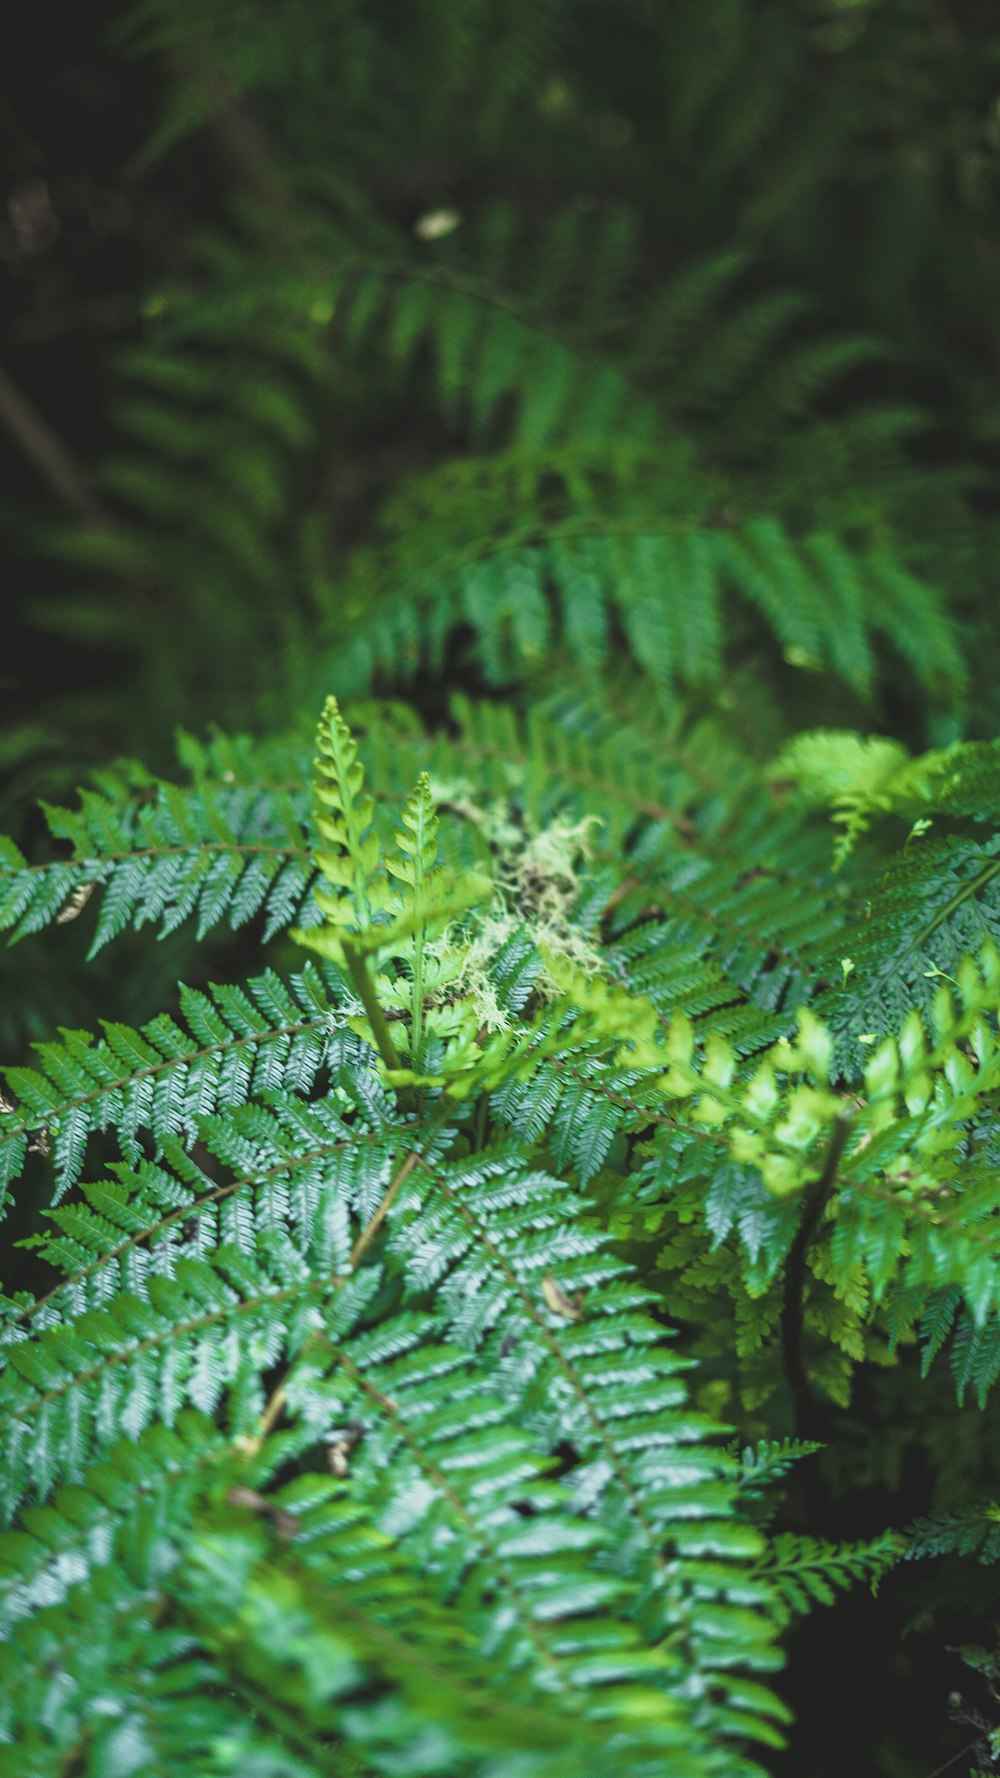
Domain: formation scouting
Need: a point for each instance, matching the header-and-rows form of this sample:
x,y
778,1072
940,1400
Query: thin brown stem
x,y
47,453
275,1403
376,1220
793,1313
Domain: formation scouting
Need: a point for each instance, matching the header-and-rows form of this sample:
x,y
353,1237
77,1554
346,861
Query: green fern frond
x,y
807,1571
974,1531
766,1462
403,1361
432,1453
238,1042
211,852
350,857
642,552
913,858
865,779
390,1265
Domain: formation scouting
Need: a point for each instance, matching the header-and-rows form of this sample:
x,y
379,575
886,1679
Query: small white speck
x,y
435,224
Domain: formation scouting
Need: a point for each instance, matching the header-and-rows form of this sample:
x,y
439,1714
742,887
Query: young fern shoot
x,y
382,906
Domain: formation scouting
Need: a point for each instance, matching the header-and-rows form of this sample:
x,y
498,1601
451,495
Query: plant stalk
x,y
817,1196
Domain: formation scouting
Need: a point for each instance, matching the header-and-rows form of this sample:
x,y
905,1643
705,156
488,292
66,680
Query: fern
x,y
957,1533
807,1572
647,556
431,1436
459,1352
164,855
163,1079
356,1277
553,530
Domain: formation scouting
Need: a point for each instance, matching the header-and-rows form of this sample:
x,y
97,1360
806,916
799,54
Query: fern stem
x,y
275,1403
972,887
816,1199
364,988
480,1124
417,1025
378,1216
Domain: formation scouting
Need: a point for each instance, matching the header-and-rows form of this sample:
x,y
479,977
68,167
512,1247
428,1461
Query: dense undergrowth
x,y
546,1252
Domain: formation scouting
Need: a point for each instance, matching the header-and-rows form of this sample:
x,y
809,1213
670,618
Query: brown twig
x,y
815,1202
276,1400
49,454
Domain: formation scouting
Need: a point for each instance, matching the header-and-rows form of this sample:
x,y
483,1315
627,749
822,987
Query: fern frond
x,y
239,1043
972,1531
807,1571
913,856
766,1462
440,1457
865,779
403,1359
211,852
639,553
975,1355
362,1629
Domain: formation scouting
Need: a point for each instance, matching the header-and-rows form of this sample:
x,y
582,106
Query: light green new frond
x,y
856,776
385,906
350,856
864,778
906,1208
416,866
428,897
416,840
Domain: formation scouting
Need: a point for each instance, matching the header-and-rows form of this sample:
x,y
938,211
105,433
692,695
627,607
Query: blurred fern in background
x,y
503,329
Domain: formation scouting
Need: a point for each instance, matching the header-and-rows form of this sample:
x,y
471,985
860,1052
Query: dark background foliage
x,y
186,185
